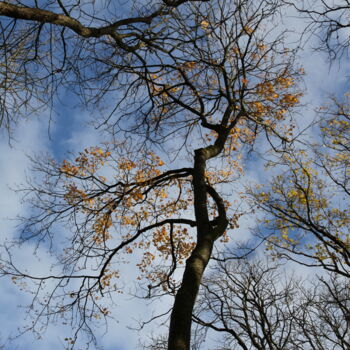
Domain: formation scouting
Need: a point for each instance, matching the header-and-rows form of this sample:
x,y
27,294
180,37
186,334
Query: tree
x,y
324,321
211,75
251,304
307,217
77,46
255,304
329,21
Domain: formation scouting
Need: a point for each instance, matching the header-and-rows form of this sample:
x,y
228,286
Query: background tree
x,y
212,76
329,21
308,217
251,304
254,304
324,321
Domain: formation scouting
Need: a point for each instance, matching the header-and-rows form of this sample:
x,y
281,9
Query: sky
x,y
70,131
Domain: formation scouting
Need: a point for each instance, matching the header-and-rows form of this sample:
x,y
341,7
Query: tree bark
x,y
181,316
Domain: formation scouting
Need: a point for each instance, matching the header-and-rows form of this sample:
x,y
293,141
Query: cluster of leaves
x,y
138,193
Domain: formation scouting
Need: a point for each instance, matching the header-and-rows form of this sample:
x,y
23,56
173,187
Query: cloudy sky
x,y
67,133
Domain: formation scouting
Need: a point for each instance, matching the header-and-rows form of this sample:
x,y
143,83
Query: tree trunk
x,y
181,316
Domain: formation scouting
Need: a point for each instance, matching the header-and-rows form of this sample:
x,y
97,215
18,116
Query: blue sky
x,y
70,131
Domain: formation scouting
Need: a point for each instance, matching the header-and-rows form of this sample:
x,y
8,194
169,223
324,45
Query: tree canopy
x,y
186,91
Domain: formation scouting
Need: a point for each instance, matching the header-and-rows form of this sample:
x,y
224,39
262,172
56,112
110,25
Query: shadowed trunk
x,y
207,233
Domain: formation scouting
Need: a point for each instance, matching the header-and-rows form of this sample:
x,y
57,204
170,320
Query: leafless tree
x,y
324,319
250,304
329,21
